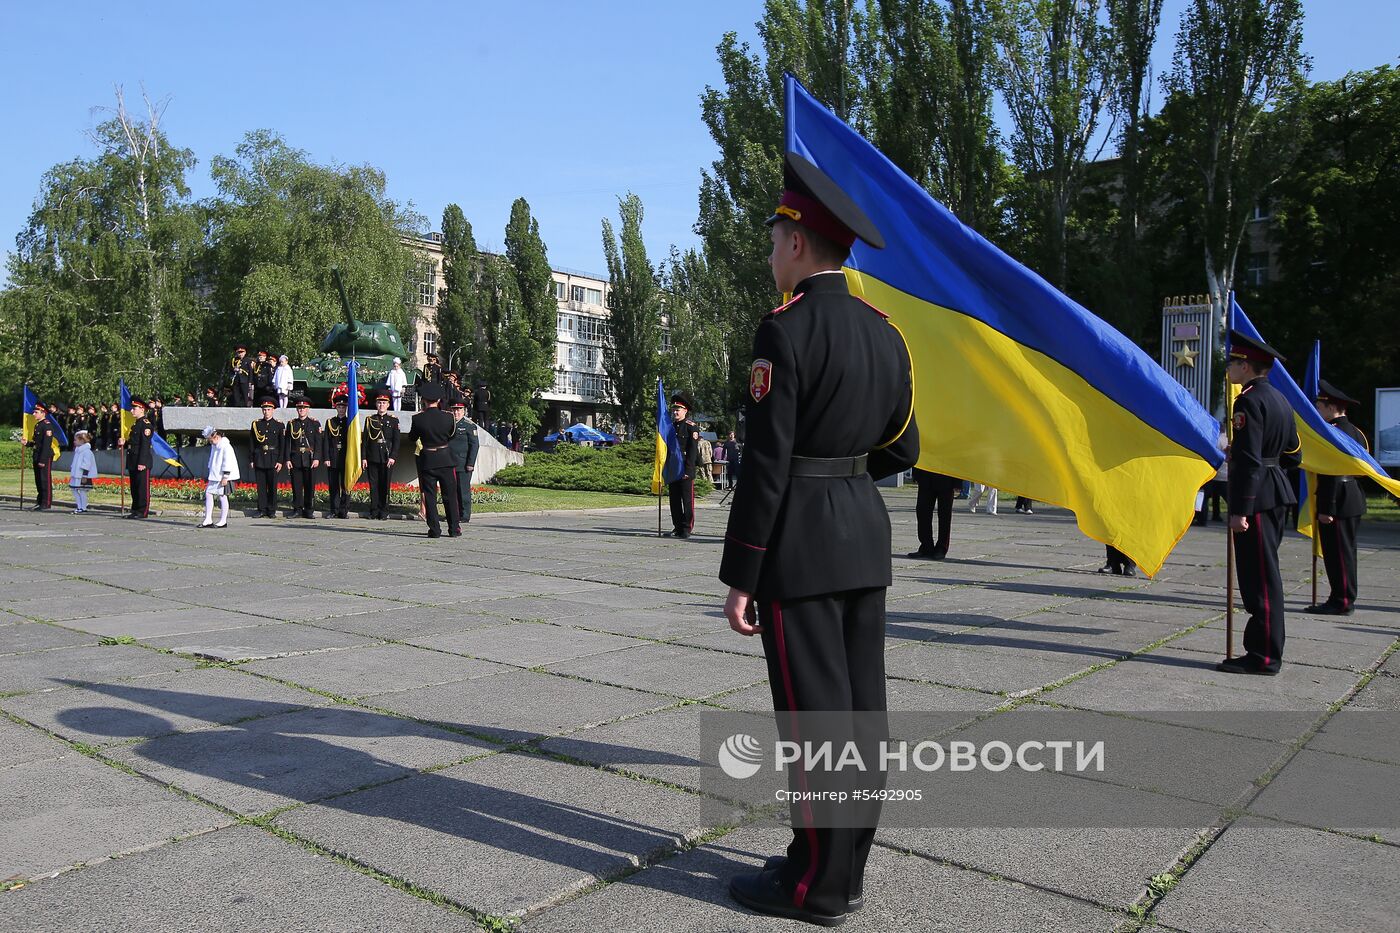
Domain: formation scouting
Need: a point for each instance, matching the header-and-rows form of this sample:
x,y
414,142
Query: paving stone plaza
x,y
345,726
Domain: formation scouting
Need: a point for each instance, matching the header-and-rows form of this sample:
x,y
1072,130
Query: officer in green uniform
x,y
1340,505
381,446
265,439
465,445
807,552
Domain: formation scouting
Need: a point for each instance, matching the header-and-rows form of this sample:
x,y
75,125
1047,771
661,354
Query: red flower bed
x,y
198,485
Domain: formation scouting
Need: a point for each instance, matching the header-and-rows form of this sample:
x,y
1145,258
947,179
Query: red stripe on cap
x,y
814,216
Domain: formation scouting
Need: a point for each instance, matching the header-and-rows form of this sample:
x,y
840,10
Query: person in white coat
x,y
82,471
978,491
397,382
282,380
223,471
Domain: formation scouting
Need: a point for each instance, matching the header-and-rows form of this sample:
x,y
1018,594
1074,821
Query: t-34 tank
x,y
374,344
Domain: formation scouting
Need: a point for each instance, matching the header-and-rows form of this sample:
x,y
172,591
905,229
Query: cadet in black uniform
x,y
381,446
433,428
935,489
43,458
240,378
465,446
1265,444
140,458
262,369
808,545
1340,505
302,454
335,435
265,440
682,491
432,370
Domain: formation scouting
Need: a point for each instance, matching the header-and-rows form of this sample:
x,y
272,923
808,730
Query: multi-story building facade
x,y
581,392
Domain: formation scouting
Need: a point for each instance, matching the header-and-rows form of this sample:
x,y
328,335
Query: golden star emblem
x,y
1186,357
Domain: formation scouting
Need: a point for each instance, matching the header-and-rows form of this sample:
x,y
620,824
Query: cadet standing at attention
x,y
682,491
381,446
1340,505
301,453
336,435
433,428
43,458
1265,443
465,447
265,440
808,544
139,460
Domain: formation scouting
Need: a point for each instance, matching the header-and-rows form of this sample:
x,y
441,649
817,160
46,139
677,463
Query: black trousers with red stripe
x,y
43,484
828,653
1339,557
683,505
141,492
1261,586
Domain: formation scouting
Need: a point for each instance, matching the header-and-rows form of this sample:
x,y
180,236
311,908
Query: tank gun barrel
x,y
352,326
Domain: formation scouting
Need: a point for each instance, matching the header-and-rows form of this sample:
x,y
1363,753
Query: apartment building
x,y
581,390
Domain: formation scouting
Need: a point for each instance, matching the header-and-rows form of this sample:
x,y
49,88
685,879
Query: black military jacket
x,y
433,427
334,435
1265,444
241,372
43,441
1342,496
301,442
830,378
432,372
381,440
688,433
262,377
138,445
265,441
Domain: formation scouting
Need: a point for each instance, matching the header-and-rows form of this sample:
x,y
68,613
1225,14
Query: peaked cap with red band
x,y
1256,351
1327,392
812,200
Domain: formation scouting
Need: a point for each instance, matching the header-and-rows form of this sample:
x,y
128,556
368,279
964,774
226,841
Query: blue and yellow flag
x,y
352,427
1026,390
668,466
159,446
59,439
1326,450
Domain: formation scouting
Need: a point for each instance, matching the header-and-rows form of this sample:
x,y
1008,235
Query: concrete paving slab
x,y
660,624
109,602
506,834
61,667
526,644
663,745
106,714
59,812
1381,693
358,672
678,670
1008,670
1330,791
409,622
295,758
24,743
1265,877
255,642
179,886
688,893
20,637
164,621
520,705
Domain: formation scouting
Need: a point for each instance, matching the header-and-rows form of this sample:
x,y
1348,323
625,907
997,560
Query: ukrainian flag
x,y
159,446
352,427
1326,450
667,467
59,439
1026,390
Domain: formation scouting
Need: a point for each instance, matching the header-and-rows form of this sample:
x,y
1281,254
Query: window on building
x,y
581,357
411,344
1262,209
665,341
561,291
429,342
576,293
1256,270
593,296
427,283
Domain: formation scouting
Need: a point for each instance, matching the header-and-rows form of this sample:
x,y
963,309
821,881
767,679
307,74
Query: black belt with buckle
x,y
828,467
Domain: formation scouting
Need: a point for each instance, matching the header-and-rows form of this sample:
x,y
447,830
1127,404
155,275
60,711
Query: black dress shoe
x,y
763,892
1106,568
1129,572
308,514
39,508
853,903
938,555
455,534
1328,609
1244,665
920,555
435,534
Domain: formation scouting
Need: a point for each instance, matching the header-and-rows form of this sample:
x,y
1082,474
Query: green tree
x,y
634,337
698,359
279,224
534,281
512,363
1235,61
458,324
101,272
1057,79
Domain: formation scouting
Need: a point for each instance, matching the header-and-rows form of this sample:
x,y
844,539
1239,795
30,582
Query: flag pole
x,y
658,514
21,479
1316,541
1229,593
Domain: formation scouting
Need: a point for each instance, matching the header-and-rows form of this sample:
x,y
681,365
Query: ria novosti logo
x,y
740,756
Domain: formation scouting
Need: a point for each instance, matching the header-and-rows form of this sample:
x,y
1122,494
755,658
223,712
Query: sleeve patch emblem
x,y
760,379
1239,421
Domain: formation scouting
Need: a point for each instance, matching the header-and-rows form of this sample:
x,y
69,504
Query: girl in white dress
x,y
223,471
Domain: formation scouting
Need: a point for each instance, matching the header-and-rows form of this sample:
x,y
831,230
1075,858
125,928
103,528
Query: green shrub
x,y
625,468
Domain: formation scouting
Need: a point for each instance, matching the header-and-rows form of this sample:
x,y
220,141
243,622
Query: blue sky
x,y
567,104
